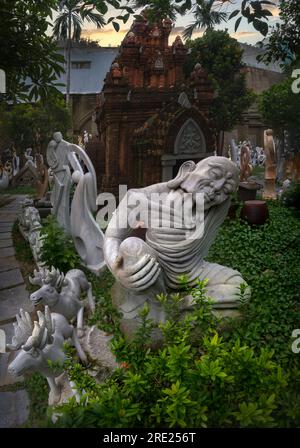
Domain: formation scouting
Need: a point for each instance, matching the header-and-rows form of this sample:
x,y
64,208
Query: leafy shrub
x,y
184,383
291,197
207,372
58,248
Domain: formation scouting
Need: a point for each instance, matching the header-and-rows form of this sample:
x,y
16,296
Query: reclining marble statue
x,y
144,269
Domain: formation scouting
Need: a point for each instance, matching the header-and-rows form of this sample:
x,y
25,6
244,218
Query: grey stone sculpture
x,y
62,292
71,165
38,343
30,227
57,158
86,234
144,269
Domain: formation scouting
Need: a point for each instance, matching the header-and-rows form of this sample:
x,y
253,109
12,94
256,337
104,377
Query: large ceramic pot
x,y
255,212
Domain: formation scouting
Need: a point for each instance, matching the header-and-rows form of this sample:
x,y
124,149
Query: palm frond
x,y
77,24
60,28
94,17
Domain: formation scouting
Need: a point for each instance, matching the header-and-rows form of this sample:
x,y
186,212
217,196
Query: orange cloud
x,y
243,34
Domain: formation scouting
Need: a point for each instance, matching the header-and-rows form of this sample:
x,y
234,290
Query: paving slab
x,y
12,299
8,242
14,408
7,216
5,228
7,252
11,278
5,235
7,263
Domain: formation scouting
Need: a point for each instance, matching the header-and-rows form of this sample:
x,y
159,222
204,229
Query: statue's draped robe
x,y
187,255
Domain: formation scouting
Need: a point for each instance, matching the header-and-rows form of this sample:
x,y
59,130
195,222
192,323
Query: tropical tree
x,y
225,71
284,40
68,26
280,108
205,17
33,124
27,52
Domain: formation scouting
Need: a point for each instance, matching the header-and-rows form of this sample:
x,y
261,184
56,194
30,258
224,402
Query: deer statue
x,y
40,342
62,293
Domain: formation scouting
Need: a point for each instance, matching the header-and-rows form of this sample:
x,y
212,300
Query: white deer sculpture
x,y
41,342
62,293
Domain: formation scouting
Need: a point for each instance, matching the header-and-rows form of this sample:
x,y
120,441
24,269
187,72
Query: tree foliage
x,y
26,51
28,54
284,41
280,106
33,124
232,98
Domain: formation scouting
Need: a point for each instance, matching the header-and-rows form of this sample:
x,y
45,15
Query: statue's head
x,y
216,177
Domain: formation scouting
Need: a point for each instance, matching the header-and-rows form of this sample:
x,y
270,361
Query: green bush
x,y
291,197
207,372
187,382
58,248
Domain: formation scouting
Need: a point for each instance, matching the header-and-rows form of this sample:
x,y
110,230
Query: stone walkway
x,y
13,296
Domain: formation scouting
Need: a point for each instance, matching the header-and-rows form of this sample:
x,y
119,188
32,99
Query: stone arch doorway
x,y
188,144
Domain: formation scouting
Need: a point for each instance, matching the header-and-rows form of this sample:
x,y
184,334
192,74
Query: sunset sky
x,y
107,36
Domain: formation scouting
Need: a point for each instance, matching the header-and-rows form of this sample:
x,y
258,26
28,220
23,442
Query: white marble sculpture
x,y
234,152
30,226
4,178
38,343
62,292
71,165
146,268
28,156
86,234
57,158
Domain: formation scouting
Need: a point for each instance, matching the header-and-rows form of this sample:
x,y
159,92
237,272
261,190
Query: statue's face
x,y
215,178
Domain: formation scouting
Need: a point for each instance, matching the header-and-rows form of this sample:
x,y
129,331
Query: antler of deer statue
x,y
40,342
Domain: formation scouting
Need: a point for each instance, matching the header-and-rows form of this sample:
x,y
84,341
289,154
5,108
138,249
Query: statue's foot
x,y
224,286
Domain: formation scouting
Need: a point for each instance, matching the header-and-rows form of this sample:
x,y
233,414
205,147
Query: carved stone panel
x,y
190,139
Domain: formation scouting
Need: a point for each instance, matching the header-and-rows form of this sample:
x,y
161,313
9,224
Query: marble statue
x,y
62,292
245,162
71,165
270,165
38,343
28,156
43,177
4,179
57,158
234,152
85,138
9,169
144,269
86,234
15,162
30,227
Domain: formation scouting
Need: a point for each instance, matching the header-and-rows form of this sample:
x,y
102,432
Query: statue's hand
x,y
138,276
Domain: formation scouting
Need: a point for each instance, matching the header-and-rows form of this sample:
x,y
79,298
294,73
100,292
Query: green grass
x,y
19,190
